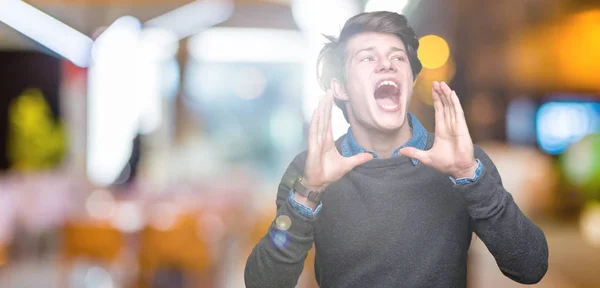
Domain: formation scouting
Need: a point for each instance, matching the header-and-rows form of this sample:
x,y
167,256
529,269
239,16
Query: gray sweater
x,y
389,223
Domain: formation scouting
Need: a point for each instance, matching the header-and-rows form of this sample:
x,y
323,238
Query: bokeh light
x,y
561,123
260,45
424,82
48,31
323,16
163,216
581,165
98,277
283,222
100,204
252,83
589,223
114,99
537,62
279,238
317,18
128,217
433,51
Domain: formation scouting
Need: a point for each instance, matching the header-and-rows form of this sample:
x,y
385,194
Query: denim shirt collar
x,y
350,147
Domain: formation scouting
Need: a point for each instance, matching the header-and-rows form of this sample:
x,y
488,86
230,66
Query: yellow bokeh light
x,y
433,51
537,62
283,222
424,82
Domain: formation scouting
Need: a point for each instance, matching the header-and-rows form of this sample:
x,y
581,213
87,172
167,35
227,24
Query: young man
x,y
389,204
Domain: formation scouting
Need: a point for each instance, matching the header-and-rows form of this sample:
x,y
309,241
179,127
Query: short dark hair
x,y
331,62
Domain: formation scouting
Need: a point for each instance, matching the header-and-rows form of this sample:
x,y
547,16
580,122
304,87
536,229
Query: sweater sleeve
x,y
278,258
518,246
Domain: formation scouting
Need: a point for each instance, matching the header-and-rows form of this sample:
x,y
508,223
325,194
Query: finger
x,y
357,160
445,88
441,93
448,107
329,110
438,89
445,112
312,131
438,107
458,110
318,117
321,127
414,153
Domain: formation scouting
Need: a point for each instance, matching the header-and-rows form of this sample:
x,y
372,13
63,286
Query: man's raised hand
x,y
452,152
324,163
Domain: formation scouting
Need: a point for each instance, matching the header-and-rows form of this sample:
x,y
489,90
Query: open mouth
x,y
387,95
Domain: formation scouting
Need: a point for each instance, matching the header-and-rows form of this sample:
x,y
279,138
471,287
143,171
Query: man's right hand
x,y
324,163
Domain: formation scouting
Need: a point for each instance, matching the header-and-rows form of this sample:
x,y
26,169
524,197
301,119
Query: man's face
x,y
379,81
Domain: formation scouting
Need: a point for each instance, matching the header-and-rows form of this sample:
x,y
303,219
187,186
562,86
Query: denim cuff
x,y
467,180
301,209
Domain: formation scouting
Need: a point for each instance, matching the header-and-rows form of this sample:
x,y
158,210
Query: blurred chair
x,y
2,254
94,241
257,232
179,248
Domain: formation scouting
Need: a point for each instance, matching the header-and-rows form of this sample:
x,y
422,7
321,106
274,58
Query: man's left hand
x,y
452,151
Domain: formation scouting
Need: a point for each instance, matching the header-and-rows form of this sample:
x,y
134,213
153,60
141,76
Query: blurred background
x,y
142,141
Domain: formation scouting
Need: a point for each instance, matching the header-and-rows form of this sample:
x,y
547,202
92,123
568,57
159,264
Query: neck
x,y
381,142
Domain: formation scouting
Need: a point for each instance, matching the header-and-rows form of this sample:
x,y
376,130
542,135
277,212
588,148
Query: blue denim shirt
x,y
349,148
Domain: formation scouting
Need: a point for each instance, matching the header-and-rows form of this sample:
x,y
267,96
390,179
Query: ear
x,y
339,91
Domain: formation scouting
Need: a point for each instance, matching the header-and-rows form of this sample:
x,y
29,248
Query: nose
x,y
385,65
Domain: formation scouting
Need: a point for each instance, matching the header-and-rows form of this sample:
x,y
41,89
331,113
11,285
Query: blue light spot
x,y
279,238
559,124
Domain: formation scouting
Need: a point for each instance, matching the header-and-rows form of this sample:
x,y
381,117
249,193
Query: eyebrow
x,y
369,49
396,49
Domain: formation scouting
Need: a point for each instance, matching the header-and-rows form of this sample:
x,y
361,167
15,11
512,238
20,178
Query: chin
x,y
391,123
